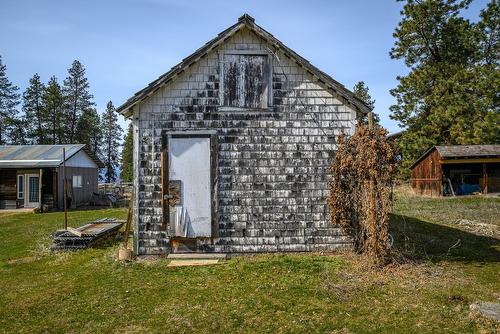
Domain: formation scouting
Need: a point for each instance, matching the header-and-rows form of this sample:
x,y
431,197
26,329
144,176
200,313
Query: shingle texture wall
x,y
272,167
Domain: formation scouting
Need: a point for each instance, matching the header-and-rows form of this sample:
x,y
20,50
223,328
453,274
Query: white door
x,y
189,165
32,197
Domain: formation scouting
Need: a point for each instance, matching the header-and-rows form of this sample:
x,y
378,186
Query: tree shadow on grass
x,y
430,241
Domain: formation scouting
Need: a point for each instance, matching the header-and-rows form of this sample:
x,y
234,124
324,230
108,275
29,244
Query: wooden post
x,y
370,119
65,187
40,174
165,181
54,187
129,222
485,179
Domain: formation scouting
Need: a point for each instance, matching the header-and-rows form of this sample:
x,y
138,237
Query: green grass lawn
x,y
89,291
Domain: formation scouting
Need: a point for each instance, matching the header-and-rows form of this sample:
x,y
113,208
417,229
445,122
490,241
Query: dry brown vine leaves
x,y
360,189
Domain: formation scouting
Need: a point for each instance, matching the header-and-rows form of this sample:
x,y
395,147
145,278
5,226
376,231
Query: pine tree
x,y
34,111
111,142
361,91
89,131
450,95
53,104
9,99
127,153
77,98
18,133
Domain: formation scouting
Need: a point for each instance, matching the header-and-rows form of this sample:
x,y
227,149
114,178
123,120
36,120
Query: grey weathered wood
x,y
271,167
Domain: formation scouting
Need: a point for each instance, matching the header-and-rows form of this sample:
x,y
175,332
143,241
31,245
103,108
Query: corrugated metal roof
x,y
28,156
455,151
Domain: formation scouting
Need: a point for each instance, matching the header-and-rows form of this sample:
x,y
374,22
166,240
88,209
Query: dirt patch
x,y
11,212
478,228
360,276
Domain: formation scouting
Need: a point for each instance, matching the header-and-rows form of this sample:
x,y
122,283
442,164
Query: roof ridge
x,y
243,21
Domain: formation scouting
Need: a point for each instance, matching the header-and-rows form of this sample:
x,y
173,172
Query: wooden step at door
x,y
197,256
192,262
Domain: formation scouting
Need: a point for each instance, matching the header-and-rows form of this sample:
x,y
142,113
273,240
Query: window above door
x,y
246,80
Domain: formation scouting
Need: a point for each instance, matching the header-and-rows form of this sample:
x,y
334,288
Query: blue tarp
x,y
467,189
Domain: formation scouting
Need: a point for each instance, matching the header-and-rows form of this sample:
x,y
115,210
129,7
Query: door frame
x,y
27,191
23,184
165,173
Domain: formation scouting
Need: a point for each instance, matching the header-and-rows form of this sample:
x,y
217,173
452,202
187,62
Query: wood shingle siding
x,y
273,141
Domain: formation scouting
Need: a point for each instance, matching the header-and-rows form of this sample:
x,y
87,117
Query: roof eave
x,y
126,109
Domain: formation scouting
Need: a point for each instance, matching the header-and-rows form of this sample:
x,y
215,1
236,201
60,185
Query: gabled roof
x,y
245,21
39,156
462,151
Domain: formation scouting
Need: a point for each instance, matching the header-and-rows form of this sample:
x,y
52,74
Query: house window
x,y
245,81
20,186
77,181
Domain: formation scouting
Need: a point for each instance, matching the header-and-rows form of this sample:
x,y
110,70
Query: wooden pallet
x,y
87,235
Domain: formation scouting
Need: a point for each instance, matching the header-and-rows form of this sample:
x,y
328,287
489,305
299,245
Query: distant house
x,y
232,149
32,175
457,170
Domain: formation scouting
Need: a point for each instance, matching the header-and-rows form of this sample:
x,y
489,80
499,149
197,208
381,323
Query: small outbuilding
x,y
457,170
233,146
31,176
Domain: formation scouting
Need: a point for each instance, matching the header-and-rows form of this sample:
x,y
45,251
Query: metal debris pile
x,y
87,235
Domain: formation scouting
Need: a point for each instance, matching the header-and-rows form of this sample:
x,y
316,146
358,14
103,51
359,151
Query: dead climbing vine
x,y
360,190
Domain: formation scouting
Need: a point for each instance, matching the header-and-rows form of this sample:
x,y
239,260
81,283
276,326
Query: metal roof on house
x,y
38,156
248,22
462,151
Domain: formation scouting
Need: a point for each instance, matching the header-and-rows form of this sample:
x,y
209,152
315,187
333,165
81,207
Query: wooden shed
x,y
457,170
32,175
232,149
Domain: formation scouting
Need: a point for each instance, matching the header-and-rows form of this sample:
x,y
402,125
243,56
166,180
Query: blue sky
x,y
128,43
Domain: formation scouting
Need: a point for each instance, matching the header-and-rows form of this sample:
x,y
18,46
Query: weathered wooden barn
x,y
457,170
232,149
32,175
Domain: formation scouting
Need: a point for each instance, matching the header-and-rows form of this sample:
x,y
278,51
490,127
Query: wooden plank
x,y
40,182
189,263
197,256
129,221
74,231
135,153
54,188
165,184
485,178
468,161
214,184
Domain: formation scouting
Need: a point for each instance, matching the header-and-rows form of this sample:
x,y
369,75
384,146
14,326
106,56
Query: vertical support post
x,y
65,188
370,119
485,179
129,221
54,187
40,174
165,181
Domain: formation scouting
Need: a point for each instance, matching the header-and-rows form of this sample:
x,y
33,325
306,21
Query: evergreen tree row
x,y
52,113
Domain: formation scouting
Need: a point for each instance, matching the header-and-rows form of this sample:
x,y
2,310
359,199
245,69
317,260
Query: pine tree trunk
x,y
54,126
73,120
